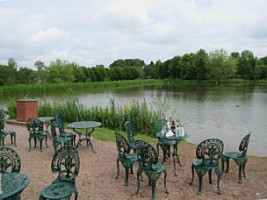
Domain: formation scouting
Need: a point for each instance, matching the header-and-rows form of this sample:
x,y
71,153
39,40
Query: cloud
x,y
100,31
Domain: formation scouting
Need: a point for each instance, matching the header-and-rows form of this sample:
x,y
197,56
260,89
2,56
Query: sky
x,y
93,32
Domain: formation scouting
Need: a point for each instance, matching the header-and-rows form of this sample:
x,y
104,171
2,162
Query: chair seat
x,y
197,162
62,139
131,156
9,132
67,134
234,155
58,190
154,168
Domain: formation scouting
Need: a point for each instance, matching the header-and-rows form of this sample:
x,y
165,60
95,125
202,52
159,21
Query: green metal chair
x,y
9,160
240,157
208,155
59,119
148,163
66,163
36,132
4,133
58,140
124,156
131,133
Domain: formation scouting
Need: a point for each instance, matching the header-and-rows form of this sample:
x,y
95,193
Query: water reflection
x,y
224,112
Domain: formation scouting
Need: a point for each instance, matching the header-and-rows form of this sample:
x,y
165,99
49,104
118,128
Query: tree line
x,y
217,65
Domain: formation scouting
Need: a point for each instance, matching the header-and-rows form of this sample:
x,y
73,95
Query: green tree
x,y
26,76
220,65
188,66
246,65
40,70
201,64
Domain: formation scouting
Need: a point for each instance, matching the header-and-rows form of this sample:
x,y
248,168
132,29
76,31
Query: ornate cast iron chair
x,y
127,159
131,133
208,155
240,157
35,128
4,133
58,140
59,119
66,163
148,163
9,160
165,143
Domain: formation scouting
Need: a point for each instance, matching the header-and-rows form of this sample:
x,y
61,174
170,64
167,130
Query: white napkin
x,y
169,133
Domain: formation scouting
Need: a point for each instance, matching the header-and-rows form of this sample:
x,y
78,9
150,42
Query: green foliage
x,y
111,116
221,66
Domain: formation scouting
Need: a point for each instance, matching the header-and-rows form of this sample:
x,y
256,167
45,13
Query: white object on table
x,y
169,133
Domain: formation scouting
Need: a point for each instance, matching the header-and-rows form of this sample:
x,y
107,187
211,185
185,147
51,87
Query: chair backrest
x,y
2,114
243,147
35,126
9,160
59,116
147,155
131,131
160,125
122,145
2,125
210,151
66,162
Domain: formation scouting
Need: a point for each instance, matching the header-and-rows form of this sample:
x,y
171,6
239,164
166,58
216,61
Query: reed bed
x,y
111,116
22,90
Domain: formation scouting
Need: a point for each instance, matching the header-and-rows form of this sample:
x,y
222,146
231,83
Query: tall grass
x,y
22,90
111,116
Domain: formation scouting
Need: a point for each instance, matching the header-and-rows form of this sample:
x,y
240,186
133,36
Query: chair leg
x,y
76,195
192,175
210,174
227,163
218,184
200,177
30,145
165,177
153,188
138,181
35,141
15,140
126,176
118,168
244,166
174,164
46,141
239,173
131,168
41,145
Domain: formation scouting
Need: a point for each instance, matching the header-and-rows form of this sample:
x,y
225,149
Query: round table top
x,y
174,137
84,124
13,183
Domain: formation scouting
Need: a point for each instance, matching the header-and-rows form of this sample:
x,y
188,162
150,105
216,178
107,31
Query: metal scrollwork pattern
x,y
9,160
244,144
66,162
211,148
147,154
34,125
122,144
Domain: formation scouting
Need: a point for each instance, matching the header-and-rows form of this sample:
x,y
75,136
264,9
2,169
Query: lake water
x,y
224,112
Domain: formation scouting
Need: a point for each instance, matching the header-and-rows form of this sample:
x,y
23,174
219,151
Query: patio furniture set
x,y
66,161
209,154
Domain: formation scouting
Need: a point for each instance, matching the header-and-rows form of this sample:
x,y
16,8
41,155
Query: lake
x,y
227,112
